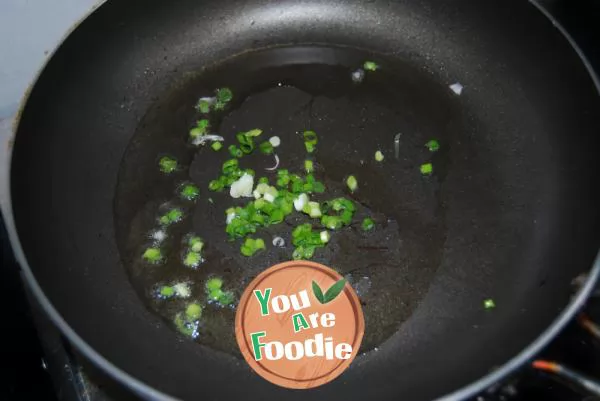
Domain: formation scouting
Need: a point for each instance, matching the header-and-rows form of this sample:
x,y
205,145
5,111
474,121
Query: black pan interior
x,y
511,215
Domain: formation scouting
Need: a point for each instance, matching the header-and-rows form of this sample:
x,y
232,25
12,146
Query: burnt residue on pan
x,y
284,91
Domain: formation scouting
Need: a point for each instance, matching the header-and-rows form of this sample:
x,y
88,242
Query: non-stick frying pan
x,y
510,213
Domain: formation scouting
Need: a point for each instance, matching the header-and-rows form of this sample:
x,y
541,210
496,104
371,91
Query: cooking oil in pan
x,y
284,91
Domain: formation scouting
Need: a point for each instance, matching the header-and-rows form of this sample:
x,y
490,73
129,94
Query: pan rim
x,y
149,392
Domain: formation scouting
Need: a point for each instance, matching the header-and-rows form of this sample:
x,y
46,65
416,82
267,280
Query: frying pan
x,y
510,213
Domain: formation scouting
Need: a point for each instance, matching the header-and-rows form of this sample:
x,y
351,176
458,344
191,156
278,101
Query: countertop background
x,y
30,30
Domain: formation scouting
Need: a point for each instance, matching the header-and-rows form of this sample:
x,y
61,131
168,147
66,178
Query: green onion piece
x,y
489,304
346,217
183,326
370,66
318,187
332,222
200,129
352,183
192,259
172,216
254,133
308,166
230,166
189,192
266,148
433,145
325,236
297,185
276,216
193,311
251,246
368,224
426,169
196,133
196,244
235,151
224,95
310,140
204,104
214,295
378,156
226,298
167,164
203,124
214,283
216,146
166,291
303,252
152,255
215,185
246,142
263,180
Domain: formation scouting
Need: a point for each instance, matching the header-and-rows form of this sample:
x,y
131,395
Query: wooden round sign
x,y
299,324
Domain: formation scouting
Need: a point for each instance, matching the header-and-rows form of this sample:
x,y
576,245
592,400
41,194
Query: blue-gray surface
x,y
29,32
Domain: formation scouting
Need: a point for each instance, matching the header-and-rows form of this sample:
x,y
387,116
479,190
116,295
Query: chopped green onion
x,y
224,96
352,183
263,180
266,148
193,311
214,283
378,156
254,133
167,165
275,141
312,209
214,295
189,192
370,66
216,146
433,145
246,142
200,129
303,252
182,290
192,259
332,222
308,166
226,298
230,166
152,255
251,246
426,169
368,224
185,327
172,216
235,151
325,236
166,291
310,140
215,185
204,104
196,244
489,304
300,202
